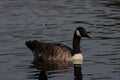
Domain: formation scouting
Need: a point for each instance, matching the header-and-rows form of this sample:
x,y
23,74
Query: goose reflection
x,y
43,67
77,72
43,75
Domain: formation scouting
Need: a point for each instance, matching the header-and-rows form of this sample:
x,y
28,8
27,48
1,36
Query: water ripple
x,y
55,21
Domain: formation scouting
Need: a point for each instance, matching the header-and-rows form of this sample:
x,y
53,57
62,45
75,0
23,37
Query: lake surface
x,y
55,21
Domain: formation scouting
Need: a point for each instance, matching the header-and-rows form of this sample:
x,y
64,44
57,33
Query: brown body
x,y
49,51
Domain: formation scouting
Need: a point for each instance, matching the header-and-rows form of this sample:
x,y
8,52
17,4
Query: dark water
x,y
55,21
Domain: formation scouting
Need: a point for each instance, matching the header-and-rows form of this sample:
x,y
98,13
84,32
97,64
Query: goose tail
x,y
32,45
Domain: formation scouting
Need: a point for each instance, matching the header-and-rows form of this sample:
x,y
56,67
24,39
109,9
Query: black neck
x,y
76,44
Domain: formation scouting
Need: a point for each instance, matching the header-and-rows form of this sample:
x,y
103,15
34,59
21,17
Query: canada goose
x,y
56,51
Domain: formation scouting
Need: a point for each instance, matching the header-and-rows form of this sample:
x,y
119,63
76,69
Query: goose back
x,y
49,51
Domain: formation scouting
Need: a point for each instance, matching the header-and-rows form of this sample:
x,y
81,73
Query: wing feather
x,y
49,51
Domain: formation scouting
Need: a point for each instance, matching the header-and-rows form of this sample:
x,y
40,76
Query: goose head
x,y
81,32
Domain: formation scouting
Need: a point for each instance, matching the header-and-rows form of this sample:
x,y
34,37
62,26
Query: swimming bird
x,y
56,51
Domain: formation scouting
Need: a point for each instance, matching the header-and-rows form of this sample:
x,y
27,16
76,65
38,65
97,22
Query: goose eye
x,y
78,33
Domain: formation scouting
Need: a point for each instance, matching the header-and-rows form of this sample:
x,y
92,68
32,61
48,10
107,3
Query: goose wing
x,y
49,51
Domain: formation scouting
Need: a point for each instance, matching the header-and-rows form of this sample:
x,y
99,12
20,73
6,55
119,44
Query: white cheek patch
x,y
78,33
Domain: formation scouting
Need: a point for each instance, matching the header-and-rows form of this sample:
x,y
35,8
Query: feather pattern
x,y
55,51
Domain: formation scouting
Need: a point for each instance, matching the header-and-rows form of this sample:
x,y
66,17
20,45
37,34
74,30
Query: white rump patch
x,y
77,58
78,33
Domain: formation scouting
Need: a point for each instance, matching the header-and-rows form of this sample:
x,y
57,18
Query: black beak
x,y
87,36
